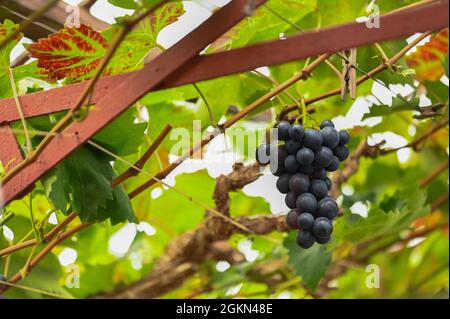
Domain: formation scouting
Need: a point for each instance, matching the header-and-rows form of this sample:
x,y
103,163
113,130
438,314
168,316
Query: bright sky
x,y
196,12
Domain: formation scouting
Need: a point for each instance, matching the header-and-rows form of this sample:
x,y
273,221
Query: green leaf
x,y
55,184
311,264
391,215
125,4
398,105
119,208
85,177
123,136
265,25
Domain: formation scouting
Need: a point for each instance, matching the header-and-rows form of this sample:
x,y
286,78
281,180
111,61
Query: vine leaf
x,y
264,25
122,136
164,16
427,60
398,105
84,181
74,54
391,215
311,264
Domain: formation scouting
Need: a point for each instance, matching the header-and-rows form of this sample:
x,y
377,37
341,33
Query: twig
x,y
276,83
49,236
439,202
428,179
44,252
31,289
414,144
143,160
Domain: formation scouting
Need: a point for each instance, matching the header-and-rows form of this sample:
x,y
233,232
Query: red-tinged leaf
x,y
427,60
72,53
164,16
6,29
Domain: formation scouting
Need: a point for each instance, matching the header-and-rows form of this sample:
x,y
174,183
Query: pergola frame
x,y
182,64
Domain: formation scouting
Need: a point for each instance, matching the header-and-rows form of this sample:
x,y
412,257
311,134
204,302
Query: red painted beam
x,y
10,154
430,16
122,95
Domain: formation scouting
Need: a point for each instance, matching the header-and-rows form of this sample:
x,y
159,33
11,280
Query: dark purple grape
x,y
328,182
318,188
344,138
290,200
291,164
296,132
277,156
305,239
293,146
322,227
341,152
330,137
319,174
307,203
263,154
308,169
283,183
326,123
328,208
323,157
312,139
334,165
283,130
323,240
305,156
299,183
305,221
291,219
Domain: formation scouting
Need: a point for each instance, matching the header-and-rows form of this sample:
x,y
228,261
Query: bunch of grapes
x,y
301,164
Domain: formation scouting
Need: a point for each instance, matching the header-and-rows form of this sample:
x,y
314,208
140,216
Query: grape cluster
x,y
301,164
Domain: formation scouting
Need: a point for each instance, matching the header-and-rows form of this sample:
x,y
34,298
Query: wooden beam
x,y
431,16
